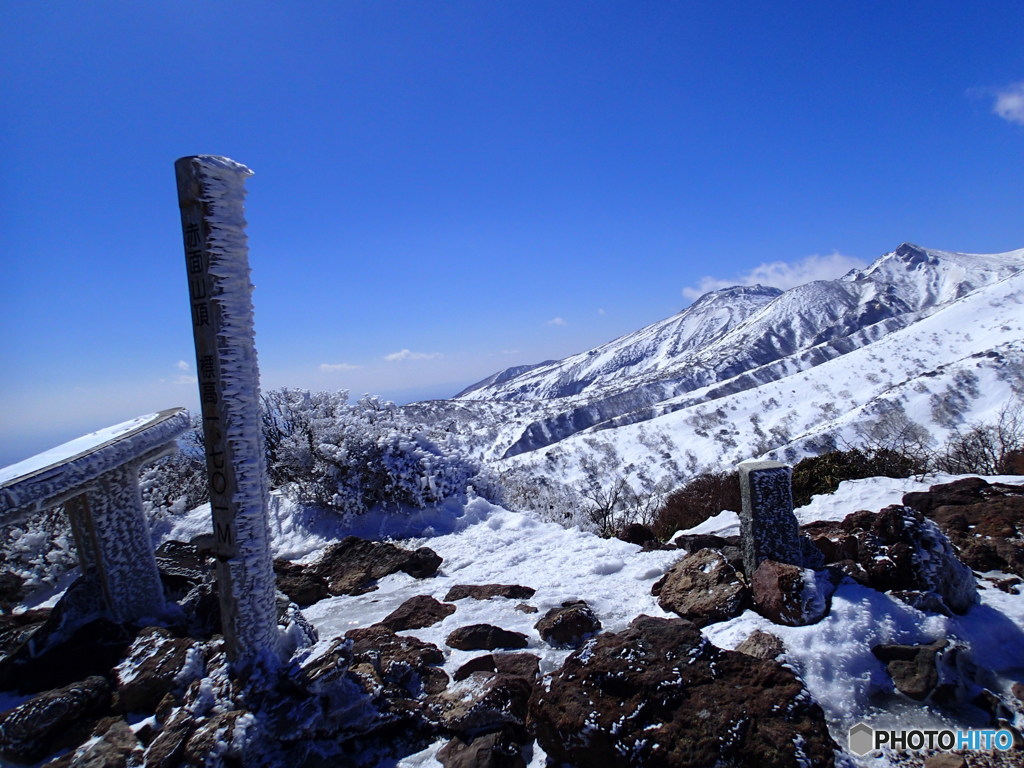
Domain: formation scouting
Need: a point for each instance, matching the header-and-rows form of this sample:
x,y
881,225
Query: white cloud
x,y
183,366
406,354
1009,103
555,321
600,311
332,367
782,274
192,380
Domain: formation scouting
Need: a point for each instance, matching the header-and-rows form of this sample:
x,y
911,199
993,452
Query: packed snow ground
x,y
482,543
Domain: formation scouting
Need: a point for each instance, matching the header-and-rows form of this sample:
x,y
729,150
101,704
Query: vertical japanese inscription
x,y
205,329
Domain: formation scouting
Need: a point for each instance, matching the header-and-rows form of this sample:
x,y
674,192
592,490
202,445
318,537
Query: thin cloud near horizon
x,y
781,274
406,354
1009,103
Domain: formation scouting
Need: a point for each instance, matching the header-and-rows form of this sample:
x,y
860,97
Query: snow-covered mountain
x,y
748,371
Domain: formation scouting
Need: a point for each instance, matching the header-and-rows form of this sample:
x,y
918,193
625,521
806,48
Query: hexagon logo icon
x,y
862,739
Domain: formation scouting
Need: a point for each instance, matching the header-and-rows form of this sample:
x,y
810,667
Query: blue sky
x,y
445,189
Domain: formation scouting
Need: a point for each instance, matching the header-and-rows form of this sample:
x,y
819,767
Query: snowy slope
x,y
962,363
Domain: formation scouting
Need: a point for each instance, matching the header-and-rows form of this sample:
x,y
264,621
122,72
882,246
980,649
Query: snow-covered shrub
x,y
986,449
323,451
704,496
39,548
177,483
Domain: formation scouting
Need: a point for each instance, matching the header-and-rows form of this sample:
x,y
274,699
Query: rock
x,y
790,595
92,649
17,628
11,589
945,760
634,533
485,637
53,720
181,567
899,550
657,694
569,625
487,591
477,664
300,582
499,749
168,748
416,613
352,565
984,521
912,668
113,745
520,664
761,645
483,703
216,741
527,608
157,664
729,546
406,665
703,587
524,665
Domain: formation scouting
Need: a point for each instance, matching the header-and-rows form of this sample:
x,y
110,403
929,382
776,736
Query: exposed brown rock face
x,y
485,637
703,587
984,520
899,550
416,613
569,625
791,595
761,645
300,582
912,667
487,591
658,695
156,665
351,566
45,722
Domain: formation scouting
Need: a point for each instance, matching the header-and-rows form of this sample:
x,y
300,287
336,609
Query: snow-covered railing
x,y
96,478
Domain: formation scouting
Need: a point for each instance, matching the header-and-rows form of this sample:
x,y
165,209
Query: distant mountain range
x,y
752,370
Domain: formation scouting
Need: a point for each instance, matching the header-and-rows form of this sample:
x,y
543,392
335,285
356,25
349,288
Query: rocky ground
x,y
569,681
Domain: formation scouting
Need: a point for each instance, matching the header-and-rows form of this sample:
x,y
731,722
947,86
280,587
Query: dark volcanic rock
x,y
761,645
93,649
729,546
898,550
155,666
404,664
702,587
790,595
984,521
352,565
913,668
485,637
17,628
569,625
113,745
52,720
215,737
303,585
484,702
487,591
11,589
634,533
417,612
181,567
499,749
483,663
658,695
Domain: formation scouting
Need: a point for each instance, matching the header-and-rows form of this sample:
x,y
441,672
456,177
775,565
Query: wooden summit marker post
x,y
211,191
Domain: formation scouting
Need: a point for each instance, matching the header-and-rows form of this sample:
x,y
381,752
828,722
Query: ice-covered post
x,y
768,527
211,191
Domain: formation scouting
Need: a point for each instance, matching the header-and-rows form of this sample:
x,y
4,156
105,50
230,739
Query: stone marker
x,y
768,527
211,191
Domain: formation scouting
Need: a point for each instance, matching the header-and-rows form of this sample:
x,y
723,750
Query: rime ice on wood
x,y
768,527
96,477
211,191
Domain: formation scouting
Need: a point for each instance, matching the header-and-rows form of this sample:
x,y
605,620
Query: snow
x,y
482,543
